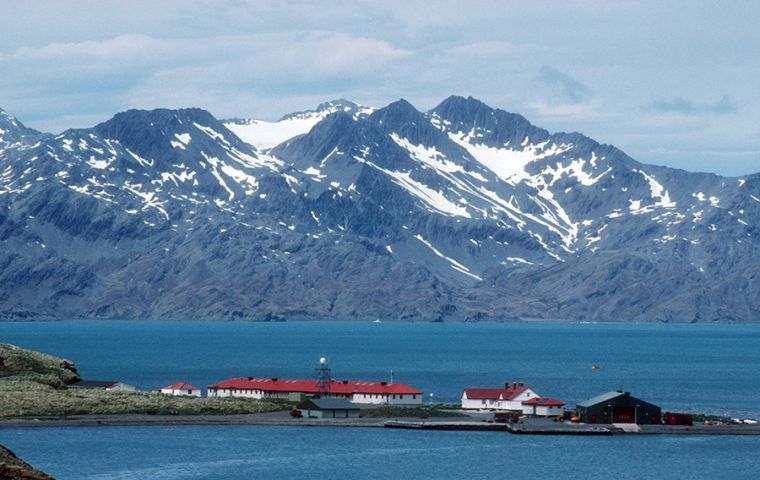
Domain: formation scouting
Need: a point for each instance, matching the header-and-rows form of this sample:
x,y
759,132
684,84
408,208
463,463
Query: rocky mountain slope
x,y
464,212
13,468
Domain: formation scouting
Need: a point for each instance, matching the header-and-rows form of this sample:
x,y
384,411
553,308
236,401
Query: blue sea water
x,y
250,452
703,368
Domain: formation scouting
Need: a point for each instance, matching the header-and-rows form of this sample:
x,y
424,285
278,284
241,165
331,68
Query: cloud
x,y
569,88
576,110
723,106
216,73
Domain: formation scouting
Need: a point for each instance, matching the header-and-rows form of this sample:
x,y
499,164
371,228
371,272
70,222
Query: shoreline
x,y
434,424
488,320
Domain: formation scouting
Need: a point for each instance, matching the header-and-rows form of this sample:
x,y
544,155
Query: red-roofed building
x,y
508,398
543,407
181,388
356,392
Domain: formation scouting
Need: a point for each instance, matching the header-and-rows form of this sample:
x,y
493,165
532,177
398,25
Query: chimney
x,y
274,379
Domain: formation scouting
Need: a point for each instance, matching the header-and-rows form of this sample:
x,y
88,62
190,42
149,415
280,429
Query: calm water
x,y
702,368
238,453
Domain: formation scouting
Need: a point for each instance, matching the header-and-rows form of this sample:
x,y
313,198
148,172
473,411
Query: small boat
x,y
595,367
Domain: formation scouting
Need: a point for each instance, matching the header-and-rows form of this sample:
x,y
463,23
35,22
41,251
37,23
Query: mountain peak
x,y
329,107
398,112
11,130
456,101
168,134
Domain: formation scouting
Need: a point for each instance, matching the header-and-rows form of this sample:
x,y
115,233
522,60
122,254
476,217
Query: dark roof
x,y
613,396
93,384
327,404
605,397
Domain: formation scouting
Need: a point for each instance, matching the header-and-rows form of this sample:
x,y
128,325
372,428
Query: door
x,y
624,415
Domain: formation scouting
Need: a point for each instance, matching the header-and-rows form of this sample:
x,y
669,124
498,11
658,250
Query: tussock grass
x,y
33,384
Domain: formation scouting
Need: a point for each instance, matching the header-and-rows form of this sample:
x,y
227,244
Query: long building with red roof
x,y
278,388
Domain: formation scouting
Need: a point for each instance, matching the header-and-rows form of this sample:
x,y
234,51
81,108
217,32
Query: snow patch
x,y
436,200
507,164
657,191
454,264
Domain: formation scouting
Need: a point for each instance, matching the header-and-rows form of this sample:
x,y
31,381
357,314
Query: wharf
x,y
535,426
538,426
446,425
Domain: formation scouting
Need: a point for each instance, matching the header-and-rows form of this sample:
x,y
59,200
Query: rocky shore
x,y
13,468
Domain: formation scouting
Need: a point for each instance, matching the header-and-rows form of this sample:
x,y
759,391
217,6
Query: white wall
x,y
478,404
174,391
371,399
121,387
545,411
516,403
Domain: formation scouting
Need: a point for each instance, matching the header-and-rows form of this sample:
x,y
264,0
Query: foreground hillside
x,y
33,384
461,213
13,468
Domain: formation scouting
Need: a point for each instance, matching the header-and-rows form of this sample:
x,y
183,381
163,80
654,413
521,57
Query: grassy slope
x,y
33,384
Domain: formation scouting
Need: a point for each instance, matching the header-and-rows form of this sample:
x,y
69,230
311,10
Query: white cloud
x,y
574,109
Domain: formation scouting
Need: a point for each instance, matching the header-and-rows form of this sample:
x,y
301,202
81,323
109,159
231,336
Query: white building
x,y
508,398
377,393
181,388
108,385
543,407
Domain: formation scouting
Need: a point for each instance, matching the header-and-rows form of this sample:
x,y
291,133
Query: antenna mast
x,y
324,376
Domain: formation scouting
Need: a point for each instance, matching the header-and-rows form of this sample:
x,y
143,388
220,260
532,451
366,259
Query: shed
x,y
543,407
181,388
329,408
618,407
109,385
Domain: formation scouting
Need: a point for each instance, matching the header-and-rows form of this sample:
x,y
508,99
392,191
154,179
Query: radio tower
x,y
324,376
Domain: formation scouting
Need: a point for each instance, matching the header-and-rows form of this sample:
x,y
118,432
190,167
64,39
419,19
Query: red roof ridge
x,y
181,386
544,402
312,386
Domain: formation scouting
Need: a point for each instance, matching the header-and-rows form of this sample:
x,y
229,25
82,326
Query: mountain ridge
x,y
460,213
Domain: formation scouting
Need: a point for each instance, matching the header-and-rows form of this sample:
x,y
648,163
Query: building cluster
x,y
371,393
616,407
514,397
326,397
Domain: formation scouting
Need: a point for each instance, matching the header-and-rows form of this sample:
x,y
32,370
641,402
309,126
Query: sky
x,y
673,83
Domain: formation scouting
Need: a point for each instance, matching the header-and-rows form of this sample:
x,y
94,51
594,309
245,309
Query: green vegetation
x,y
418,411
703,417
17,364
33,384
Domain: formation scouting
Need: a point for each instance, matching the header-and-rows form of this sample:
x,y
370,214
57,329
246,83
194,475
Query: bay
x,y
246,452
701,368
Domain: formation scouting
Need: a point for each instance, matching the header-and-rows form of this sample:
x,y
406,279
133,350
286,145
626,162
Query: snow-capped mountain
x,y
265,135
464,212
